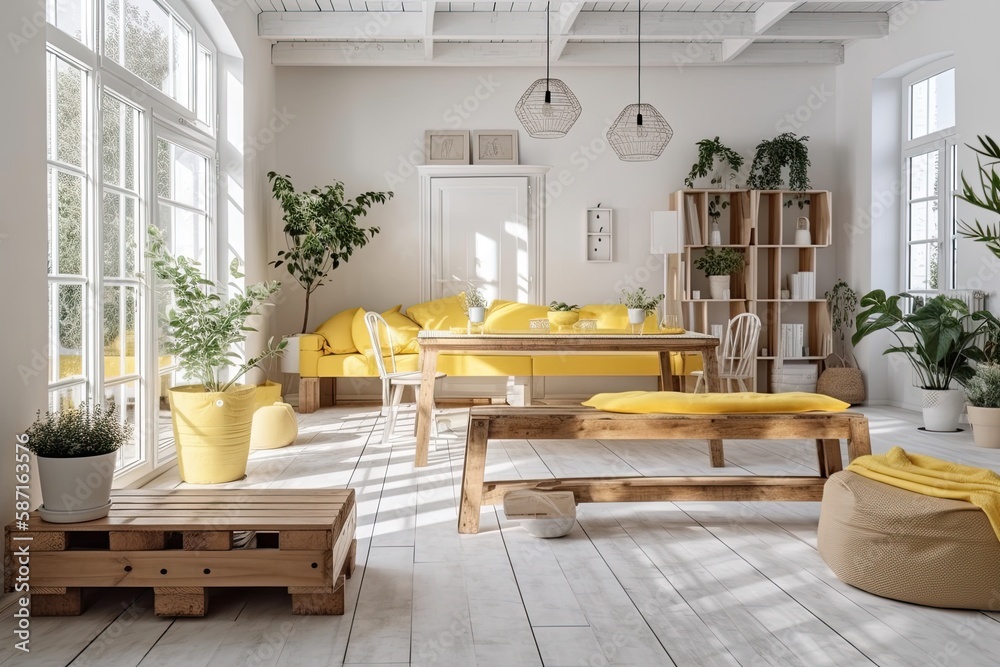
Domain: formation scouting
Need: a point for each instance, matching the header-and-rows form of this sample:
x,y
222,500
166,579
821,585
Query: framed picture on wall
x,y
446,147
494,147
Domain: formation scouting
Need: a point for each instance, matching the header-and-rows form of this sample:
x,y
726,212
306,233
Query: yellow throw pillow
x,y
512,316
404,332
675,402
337,331
614,316
439,314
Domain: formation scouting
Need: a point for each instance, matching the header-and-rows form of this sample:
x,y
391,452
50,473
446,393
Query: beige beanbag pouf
x,y
274,426
907,546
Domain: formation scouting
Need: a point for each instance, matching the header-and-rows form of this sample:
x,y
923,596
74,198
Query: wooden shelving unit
x,y
762,226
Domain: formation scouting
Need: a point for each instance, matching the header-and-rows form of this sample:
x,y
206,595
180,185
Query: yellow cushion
x,y
439,314
338,332
312,342
512,316
404,332
273,426
483,365
344,365
614,316
673,402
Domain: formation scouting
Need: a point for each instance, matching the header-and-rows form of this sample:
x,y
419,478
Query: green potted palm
x,y
938,339
76,450
321,232
719,264
212,418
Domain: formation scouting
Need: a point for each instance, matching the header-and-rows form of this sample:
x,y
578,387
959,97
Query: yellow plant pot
x,y
212,432
562,318
268,393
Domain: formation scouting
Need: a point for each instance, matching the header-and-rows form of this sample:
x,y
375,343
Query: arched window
x,y
131,142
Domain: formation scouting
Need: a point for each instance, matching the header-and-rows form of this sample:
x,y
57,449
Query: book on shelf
x,y
792,341
802,285
691,218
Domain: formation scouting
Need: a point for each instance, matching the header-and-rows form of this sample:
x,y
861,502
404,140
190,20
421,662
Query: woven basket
x,y
846,384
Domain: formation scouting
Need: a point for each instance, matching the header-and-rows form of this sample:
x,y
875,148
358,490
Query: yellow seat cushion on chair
x,y
674,402
439,314
338,332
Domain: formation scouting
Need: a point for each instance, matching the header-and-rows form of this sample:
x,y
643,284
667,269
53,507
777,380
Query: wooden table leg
x,y
828,454
710,361
666,372
718,455
425,405
472,476
860,443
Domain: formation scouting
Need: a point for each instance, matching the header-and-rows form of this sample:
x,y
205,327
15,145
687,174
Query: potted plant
x,y
772,156
76,450
211,419
719,265
562,314
321,232
475,304
841,378
938,339
710,150
640,305
983,392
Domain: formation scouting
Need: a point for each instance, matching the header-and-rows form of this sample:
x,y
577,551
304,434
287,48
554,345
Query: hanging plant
x,y
710,150
785,150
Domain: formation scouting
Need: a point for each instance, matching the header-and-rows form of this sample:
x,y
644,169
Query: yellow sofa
x,y
340,347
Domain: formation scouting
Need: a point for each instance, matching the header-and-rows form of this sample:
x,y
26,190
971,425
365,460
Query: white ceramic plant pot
x,y
942,409
76,489
717,286
477,315
636,316
985,426
290,355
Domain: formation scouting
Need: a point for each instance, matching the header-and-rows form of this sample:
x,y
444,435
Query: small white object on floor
x,y
542,513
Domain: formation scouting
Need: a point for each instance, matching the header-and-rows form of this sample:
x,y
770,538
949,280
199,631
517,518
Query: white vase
x,y
290,355
477,315
942,409
76,489
717,286
985,426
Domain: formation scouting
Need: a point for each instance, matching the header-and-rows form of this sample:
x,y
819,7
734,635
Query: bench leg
x,y
828,456
860,443
309,601
352,560
180,601
472,476
327,392
308,395
66,602
717,453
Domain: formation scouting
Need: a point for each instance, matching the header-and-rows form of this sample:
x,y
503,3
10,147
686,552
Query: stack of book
x,y
693,230
802,285
792,340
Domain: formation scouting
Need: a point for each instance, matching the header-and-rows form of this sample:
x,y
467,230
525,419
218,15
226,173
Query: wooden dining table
x,y
517,342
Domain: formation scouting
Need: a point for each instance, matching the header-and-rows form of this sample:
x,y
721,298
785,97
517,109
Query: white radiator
x,y
974,299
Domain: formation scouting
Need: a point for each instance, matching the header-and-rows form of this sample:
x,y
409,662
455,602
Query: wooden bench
x,y
579,423
180,542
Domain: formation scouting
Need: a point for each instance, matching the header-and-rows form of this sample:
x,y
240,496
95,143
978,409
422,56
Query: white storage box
x,y
794,377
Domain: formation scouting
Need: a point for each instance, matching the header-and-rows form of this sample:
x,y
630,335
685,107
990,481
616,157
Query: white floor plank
x,y
381,630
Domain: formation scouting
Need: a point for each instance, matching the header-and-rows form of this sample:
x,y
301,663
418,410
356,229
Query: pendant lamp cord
x,y
638,69
548,19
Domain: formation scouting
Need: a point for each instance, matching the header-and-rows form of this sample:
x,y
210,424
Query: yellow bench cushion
x,y
337,332
484,365
404,332
344,365
588,363
439,314
673,402
512,316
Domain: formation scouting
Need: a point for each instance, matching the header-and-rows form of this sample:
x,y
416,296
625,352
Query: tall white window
x,y
930,184
119,160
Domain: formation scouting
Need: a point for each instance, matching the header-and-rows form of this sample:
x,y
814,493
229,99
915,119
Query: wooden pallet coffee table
x,y
180,543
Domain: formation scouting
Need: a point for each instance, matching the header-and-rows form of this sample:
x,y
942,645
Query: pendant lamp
x,y
640,132
548,108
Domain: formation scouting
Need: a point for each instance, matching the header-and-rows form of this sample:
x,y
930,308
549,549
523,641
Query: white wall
x,y
365,126
869,234
23,236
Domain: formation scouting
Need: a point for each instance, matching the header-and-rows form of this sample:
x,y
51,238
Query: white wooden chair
x,y
393,382
739,354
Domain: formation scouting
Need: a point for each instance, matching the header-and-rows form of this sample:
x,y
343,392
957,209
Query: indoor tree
x,y
988,199
321,231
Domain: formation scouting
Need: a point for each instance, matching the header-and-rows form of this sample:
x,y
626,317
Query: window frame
x,y
945,142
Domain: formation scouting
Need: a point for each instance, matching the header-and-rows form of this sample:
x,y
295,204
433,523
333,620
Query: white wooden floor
x,y
687,584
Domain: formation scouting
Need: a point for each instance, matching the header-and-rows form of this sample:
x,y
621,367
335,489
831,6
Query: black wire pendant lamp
x,y
548,109
640,132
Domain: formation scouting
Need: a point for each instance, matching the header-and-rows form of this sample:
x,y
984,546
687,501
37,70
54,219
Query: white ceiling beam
x,y
512,54
763,19
569,12
589,26
429,12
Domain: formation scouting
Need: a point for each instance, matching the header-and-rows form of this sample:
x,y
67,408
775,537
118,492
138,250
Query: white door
x,y
480,234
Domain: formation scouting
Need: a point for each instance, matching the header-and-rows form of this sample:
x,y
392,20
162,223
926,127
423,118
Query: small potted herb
x,y
719,264
562,314
640,305
983,393
76,450
475,304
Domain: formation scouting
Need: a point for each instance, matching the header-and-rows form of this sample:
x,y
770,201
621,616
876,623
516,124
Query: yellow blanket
x,y
934,477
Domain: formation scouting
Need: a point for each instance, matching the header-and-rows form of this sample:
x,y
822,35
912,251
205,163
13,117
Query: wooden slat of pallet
x,y
69,603
264,567
128,540
250,494
180,601
327,601
208,540
172,524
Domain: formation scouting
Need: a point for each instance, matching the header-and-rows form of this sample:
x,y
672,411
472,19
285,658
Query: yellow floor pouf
x,y
274,426
908,546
